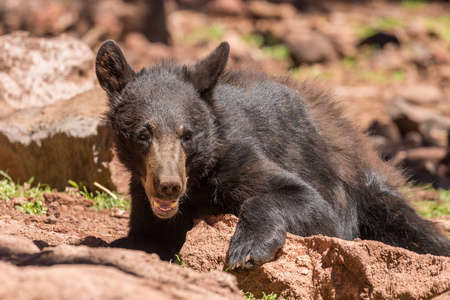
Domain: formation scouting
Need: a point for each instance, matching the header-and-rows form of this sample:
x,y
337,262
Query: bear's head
x,y
163,121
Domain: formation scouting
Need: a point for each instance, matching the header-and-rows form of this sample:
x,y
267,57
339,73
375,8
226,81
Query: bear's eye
x,y
187,136
144,137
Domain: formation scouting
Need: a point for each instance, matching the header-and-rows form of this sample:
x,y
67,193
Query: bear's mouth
x,y
164,209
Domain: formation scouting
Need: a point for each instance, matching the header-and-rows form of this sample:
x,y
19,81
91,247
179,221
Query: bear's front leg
x,y
264,221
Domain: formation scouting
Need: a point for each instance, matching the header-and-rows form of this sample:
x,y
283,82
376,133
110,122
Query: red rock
x,y
321,267
420,94
16,245
310,47
265,9
226,7
102,273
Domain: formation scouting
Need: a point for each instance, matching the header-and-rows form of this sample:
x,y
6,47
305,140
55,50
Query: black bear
x,y
277,153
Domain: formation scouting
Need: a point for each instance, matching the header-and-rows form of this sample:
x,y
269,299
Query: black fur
x,y
277,153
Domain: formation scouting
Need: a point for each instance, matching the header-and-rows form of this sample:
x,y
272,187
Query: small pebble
x,y
50,220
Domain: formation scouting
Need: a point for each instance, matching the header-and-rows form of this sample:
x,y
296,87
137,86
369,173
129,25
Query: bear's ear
x,y
205,73
113,71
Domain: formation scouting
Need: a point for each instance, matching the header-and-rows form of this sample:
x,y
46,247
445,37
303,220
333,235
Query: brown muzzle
x,y
165,181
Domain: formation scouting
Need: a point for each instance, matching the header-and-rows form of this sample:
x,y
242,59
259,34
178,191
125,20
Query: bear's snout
x,y
169,186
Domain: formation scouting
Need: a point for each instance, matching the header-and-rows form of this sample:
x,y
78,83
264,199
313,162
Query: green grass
x,y
360,70
32,208
388,23
440,26
413,4
102,200
10,189
270,46
349,62
254,39
311,73
279,52
180,262
434,209
377,25
398,76
272,296
209,33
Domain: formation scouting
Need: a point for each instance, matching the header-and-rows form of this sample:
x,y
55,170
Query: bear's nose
x,y
169,185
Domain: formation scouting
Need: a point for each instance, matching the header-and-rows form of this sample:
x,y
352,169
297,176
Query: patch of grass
x,y
254,39
270,46
373,76
312,72
10,189
295,72
377,25
180,262
272,296
32,208
349,62
209,33
398,76
413,4
364,31
440,26
102,200
388,23
433,209
279,52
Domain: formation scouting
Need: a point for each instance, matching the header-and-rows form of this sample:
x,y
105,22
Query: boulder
x,y
267,10
60,142
102,273
420,94
321,267
226,7
432,124
309,47
38,71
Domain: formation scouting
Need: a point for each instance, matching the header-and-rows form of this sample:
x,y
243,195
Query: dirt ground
x,y
70,219
315,267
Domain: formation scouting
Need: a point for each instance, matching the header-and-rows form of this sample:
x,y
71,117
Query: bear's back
x,y
298,124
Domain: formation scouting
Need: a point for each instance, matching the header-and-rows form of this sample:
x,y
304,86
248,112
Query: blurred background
x,y
388,62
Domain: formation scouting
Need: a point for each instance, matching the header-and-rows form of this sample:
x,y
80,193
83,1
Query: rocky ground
x,y
61,253
389,63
